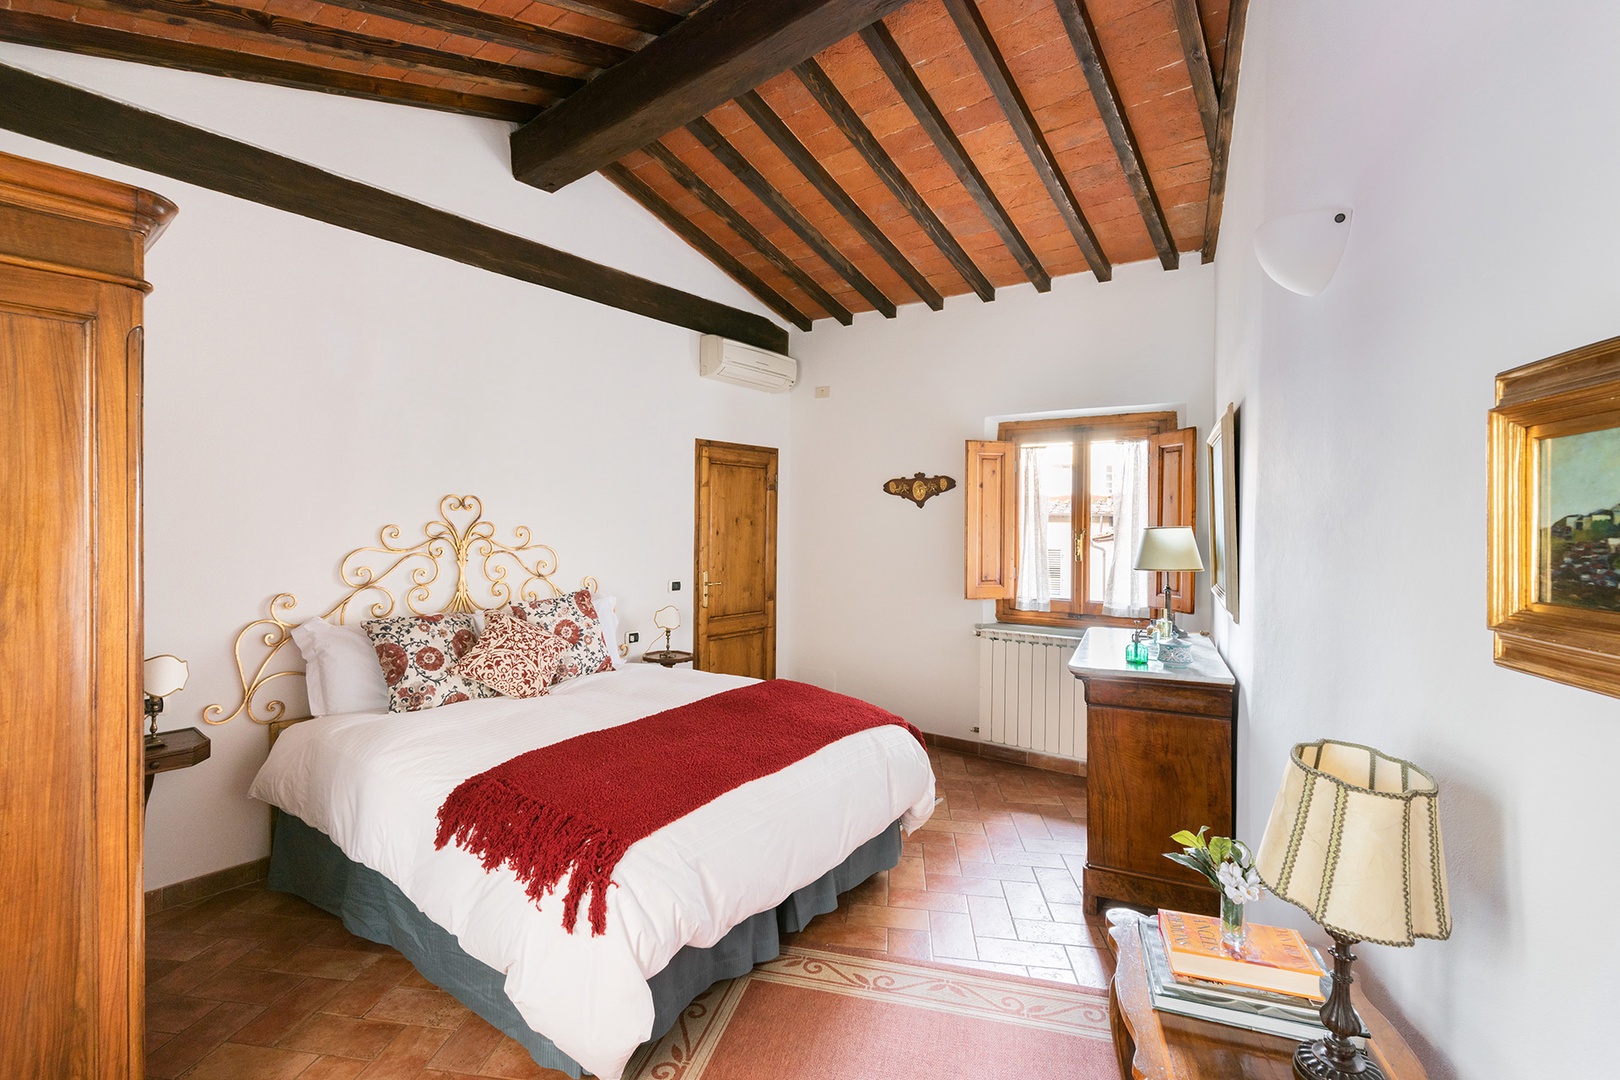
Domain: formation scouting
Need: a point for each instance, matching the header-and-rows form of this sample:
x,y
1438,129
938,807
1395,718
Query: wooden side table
x,y
1163,1046
1161,753
667,657
181,749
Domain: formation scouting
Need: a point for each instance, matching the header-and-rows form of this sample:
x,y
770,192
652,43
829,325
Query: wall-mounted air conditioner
x,y
733,362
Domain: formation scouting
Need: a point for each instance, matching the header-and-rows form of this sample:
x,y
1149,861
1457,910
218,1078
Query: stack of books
x,y
1276,988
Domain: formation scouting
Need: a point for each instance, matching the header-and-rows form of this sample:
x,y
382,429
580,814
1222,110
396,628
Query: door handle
x,y
707,585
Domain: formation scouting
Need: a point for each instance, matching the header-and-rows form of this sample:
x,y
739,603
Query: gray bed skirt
x,y
305,862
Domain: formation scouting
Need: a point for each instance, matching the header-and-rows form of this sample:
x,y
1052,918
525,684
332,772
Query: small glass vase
x,y
1234,935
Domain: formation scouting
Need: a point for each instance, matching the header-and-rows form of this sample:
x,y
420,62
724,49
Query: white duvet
x,y
374,782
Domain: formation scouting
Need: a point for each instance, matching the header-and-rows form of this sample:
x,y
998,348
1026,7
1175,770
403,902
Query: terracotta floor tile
x,y
1027,953
1062,975
235,1061
998,871
984,965
286,1013
952,936
1092,967
965,885
325,963
1055,933
170,1013
909,898
407,1055
246,984
333,1068
1058,886
1025,900
365,991
911,944
510,1061
344,1036
190,1046
844,934
170,945
468,1047
973,849
907,874
204,966
423,1008
1068,912
897,918
990,917
1008,856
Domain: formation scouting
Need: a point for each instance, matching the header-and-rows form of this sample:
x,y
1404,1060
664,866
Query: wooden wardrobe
x,y
71,937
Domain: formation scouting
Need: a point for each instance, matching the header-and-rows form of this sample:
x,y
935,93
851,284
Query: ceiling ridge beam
x,y
765,192
692,182
655,204
1237,18
67,116
497,29
993,66
849,122
1083,36
261,25
631,13
795,151
895,65
1196,50
25,28
724,49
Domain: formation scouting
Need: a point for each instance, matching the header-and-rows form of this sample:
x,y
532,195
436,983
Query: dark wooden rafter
x,y
783,139
1237,17
655,204
848,121
911,90
1083,36
79,120
25,28
261,25
631,13
993,66
1190,28
765,192
726,48
478,25
692,182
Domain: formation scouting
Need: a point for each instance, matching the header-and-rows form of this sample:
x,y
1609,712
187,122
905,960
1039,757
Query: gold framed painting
x,y
1554,518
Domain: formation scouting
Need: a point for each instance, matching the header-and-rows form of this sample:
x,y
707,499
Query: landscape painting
x,y
1578,520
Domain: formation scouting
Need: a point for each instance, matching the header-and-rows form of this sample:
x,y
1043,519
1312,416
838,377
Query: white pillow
x,y
341,669
607,613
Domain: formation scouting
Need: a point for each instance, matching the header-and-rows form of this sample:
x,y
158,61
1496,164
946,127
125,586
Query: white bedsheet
x,y
374,783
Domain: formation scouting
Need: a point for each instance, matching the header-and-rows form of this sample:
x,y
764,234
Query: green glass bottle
x,y
1137,651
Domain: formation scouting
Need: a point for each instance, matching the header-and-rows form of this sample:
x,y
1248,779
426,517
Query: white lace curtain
x,y
1034,591
1126,592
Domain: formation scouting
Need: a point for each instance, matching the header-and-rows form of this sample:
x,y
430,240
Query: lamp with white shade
x,y
1354,840
163,675
1169,549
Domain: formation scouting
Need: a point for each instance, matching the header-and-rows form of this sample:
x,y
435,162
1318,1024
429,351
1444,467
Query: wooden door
x,y
734,572
71,937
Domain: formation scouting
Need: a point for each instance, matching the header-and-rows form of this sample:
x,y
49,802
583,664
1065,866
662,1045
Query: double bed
x,y
702,898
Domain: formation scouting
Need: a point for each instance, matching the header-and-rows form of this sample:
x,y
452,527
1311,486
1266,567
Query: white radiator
x,y
1027,697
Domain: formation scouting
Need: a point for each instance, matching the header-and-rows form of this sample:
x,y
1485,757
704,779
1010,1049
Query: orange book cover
x,y
1274,957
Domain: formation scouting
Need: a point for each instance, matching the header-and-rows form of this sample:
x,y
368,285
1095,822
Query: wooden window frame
x,y
1082,429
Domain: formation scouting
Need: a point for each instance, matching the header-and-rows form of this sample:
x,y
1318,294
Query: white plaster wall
x,y
307,385
873,599
1478,149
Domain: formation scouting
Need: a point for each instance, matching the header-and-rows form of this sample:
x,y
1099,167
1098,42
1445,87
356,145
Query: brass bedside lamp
x,y
163,675
667,619
1354,839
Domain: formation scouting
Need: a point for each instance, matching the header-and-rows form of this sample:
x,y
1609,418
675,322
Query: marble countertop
x,y
1101,654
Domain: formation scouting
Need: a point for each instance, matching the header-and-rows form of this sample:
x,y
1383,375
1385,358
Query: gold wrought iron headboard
x,y
489,573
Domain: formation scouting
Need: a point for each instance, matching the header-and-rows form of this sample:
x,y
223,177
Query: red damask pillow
x,y
513,658
571,617
418,654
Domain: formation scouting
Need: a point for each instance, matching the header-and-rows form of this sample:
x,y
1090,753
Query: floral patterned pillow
x,y
571,617
513,658
418,654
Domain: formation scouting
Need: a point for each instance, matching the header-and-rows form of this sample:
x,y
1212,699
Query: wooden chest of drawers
x,y
1161,749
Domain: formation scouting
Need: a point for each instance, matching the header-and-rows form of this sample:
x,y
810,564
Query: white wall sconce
x,y
1301,251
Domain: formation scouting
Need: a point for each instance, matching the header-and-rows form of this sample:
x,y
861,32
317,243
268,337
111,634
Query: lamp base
x,y
1311,1062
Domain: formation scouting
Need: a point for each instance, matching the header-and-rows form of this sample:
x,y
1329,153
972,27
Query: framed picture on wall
x,y
1554,518
1223,510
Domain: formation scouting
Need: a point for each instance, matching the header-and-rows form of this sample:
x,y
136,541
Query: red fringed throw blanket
x,y
579,804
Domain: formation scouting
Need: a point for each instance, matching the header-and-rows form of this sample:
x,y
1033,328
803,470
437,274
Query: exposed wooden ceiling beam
x,y
970,23
1237,17
766,193
263,26
631,13
28,29
633,186
866,144
79,120
1193,46
803,160
724,49
740,225
911,90
1077,21
469,22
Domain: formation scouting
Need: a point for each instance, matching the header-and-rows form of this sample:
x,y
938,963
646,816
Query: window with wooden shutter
x,y
1055,509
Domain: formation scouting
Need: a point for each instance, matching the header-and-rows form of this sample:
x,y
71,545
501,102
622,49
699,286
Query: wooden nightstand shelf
x,y
667,657
1161,748
181,749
